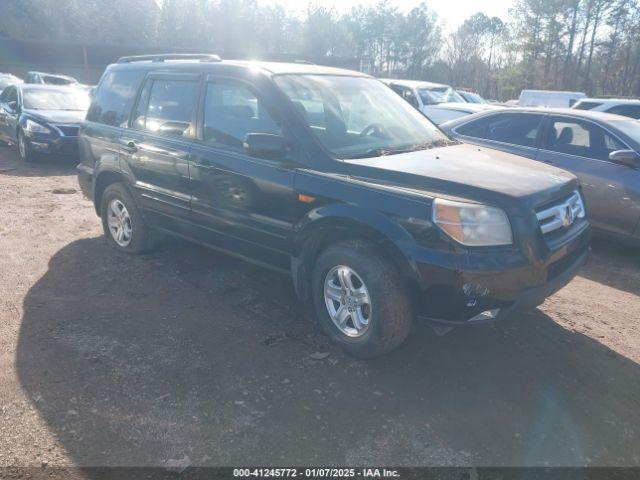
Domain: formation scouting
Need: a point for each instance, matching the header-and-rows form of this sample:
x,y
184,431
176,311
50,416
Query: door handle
x,y
130,147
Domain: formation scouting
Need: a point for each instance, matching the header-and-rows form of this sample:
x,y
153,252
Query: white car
x,y
548,98
420,94
619,106
443,112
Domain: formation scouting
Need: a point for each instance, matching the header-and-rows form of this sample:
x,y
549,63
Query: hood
x,y
58,116
464,170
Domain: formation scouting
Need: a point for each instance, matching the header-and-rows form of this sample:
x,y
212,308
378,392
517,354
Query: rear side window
x,y
115,96
632,111
171,107
515,128
233,111
584,139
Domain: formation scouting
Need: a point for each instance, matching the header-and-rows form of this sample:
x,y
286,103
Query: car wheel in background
x,y
122,222
24,152
360,299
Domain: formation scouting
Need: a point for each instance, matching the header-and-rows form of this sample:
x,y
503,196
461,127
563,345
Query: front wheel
x,y
360,299
24,152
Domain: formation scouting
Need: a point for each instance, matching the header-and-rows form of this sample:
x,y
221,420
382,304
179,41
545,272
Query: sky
x,y
451,13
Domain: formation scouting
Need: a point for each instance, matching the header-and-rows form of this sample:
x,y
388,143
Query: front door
x,y
9,106
156,149
611,190
241,203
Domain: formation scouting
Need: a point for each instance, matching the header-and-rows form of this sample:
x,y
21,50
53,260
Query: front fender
x,y
331,223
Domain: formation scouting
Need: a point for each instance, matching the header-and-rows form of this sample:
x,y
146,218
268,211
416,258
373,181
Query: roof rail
x,y
170,56
304,62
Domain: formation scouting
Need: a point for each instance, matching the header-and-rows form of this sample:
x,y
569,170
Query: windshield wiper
x,y
379,152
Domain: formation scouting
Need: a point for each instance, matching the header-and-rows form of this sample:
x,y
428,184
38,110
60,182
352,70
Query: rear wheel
x,y
360,299
122,222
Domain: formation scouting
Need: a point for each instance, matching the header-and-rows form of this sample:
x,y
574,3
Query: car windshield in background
x,y
474,98
443,94
629,127
356,117
44,99
57,80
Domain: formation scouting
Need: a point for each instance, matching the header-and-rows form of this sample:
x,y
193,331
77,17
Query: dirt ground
x,y
190,357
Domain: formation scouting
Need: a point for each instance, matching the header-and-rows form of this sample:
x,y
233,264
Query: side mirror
x,y
265,145
625,157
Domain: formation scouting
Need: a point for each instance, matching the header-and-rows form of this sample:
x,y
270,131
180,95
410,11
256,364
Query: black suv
x,y
327,175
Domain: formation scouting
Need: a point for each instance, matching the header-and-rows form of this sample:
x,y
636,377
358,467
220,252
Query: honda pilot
x,y
330,177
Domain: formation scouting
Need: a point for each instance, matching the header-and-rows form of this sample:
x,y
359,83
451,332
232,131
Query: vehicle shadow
x,y
54,166
610,264
192,357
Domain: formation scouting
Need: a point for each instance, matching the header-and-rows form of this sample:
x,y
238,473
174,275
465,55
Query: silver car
x,y
602,149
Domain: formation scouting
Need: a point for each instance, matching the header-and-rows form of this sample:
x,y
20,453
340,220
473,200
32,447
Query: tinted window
x,y
632,111
171,107
233,111
584,139
516,128
114,98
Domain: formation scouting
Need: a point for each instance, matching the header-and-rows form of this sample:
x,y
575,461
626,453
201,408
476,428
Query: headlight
x,y
33,127
472,224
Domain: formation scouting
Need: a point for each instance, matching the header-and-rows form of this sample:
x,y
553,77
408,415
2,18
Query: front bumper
x,y
45,144
492,286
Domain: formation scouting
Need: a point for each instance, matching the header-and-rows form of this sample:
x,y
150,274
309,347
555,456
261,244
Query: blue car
x,y
42,120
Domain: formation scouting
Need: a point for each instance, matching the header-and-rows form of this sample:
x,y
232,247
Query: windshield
x,y
629,127
473,97
356,117
73,99
442,94
57,80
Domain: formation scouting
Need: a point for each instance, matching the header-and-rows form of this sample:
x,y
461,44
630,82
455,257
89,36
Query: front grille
x,y
562,214
69,130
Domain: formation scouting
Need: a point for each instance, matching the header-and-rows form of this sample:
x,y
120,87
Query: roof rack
x,y
170,56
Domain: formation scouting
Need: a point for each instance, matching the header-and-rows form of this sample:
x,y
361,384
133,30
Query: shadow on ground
x,y
53,166
190,356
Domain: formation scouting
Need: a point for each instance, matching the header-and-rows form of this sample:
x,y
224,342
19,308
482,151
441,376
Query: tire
x,y
388,314
24,152
134,236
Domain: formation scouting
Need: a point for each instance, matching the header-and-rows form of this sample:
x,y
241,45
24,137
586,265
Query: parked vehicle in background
x,y
471,96
548,98
419,94
600,148
7,79
443,112
329,176
618,106
50,79
42,119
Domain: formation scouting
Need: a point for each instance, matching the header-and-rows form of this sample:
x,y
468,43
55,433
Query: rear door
x,y
241,203
156,148
611,190
518,132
